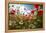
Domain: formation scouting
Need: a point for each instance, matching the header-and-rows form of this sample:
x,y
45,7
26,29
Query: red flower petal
x,y
36,5
13,12
40,12
32,11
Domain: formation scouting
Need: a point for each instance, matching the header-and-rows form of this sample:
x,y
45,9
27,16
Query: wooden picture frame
x,y
22,2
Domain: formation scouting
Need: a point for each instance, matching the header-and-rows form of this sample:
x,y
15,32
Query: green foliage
x,y
17,22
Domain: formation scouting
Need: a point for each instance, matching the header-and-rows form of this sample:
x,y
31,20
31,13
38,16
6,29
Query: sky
x,y
27,6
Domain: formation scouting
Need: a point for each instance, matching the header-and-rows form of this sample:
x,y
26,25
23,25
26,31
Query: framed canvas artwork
x,y
24,16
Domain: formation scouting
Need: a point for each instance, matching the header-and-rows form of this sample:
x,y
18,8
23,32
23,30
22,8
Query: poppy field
x,y
25,16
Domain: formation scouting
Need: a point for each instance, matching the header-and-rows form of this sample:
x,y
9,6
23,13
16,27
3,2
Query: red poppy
x,y
36,6
13,12
32,11
40,12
